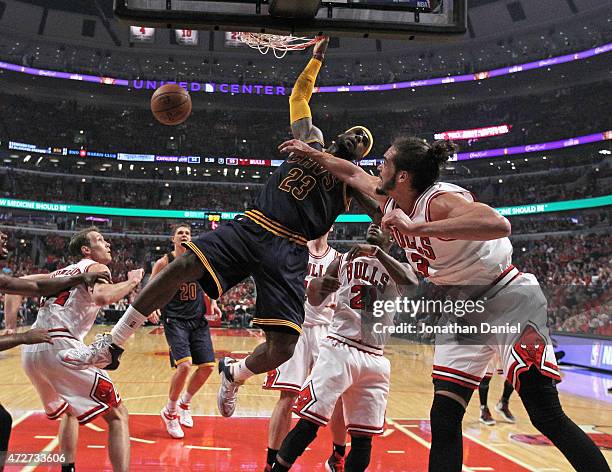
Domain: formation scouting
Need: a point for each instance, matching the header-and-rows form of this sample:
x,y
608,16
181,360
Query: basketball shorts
x,y
291,375
360,377
521,303
189,340
88,393
242,248
494,366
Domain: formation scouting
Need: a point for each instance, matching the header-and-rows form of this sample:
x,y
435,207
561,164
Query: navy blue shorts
x,y
189,340
242,248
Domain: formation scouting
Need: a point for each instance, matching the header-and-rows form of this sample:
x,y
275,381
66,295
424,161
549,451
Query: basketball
x,y
171,104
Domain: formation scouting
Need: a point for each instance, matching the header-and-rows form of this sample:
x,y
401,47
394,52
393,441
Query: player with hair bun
x,y
452,240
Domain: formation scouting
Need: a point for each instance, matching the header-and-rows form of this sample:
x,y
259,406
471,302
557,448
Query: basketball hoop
x,y
279,44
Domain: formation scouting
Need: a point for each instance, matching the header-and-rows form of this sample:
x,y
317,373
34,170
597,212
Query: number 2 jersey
x,y
451,261
187,303
364,284
72,312
301,199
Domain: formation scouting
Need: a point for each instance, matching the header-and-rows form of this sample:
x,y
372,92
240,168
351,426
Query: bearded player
x,y
453,240
289,377
79,396
351,364
299,203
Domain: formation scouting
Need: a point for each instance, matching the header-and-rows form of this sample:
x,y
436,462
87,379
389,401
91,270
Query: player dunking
x,y
351,364
79,396
188,336
289,377
453,240
299,202
41,286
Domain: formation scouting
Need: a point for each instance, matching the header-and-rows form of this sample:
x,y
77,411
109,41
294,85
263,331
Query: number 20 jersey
x,y
303,197
450,261
73,309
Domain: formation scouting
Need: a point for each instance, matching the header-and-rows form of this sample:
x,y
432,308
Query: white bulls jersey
x,y
317,266
451,261
363,281
74,309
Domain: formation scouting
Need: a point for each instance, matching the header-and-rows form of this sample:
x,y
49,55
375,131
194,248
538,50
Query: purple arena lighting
x,y
257,89
241,162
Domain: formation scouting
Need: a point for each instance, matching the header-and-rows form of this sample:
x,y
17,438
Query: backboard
x,y
384,19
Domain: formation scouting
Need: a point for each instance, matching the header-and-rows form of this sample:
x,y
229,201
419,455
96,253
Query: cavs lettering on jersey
x,y
301,196
363,281
451,261
73,310
187,303
317,266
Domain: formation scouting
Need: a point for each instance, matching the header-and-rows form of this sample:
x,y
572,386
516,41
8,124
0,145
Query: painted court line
x,y
418,439
93,427
49,447
22,418
209,448
45,437
501,453
145,441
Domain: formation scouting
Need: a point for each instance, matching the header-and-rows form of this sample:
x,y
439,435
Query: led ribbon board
x,y
529,209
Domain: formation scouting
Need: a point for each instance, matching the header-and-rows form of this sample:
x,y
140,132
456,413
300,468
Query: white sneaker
x,y
228,390
185,415
172,424
505,412
102,353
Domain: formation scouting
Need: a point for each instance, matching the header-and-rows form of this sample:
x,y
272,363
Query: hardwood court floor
x,y
238,443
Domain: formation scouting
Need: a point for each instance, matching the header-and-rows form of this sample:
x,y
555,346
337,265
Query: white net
x,y
280,45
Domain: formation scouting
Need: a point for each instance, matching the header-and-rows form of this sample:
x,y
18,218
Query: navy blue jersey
x,y
187,303
303,197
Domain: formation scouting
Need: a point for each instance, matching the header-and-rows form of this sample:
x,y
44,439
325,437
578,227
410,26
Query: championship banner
x,y
231,39
141,34
186,37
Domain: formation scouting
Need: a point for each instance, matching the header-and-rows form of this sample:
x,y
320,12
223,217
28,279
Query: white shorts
x,y
359,377
88,393
519,302
291,375
494,366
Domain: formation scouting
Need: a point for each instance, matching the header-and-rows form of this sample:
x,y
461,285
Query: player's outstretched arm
x,y
453,217
369,205
43,285
105,294
34,336
349,173
299,109
402,274
319,288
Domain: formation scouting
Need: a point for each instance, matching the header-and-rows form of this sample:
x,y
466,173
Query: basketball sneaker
x,y
228,391
102,353
171,420
335,463
485,416
185,417
502,408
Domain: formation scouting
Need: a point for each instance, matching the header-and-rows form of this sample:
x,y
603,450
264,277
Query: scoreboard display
x,y
423,5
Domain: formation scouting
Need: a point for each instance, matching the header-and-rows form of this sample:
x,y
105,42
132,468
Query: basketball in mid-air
x,y
171,104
